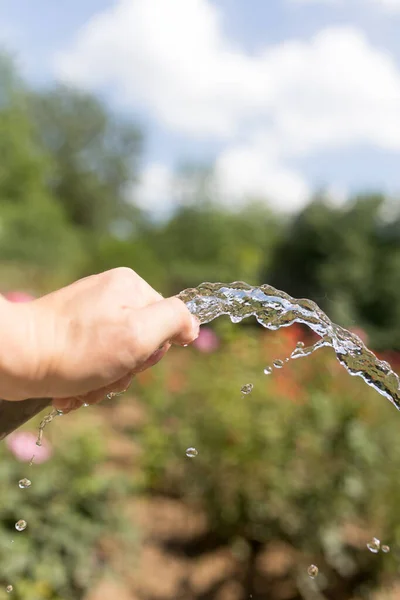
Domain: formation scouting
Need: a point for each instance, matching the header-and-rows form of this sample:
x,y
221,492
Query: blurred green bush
x,y
72,505
308,457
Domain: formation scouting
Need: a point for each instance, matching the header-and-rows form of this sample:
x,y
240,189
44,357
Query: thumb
x,y
163,321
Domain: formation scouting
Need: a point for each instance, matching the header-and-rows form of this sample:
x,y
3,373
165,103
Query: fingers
x,y
68,404
154,358
73,403
162,321
115,388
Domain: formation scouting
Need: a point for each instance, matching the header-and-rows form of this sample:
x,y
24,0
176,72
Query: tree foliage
x,y
348,260
94,156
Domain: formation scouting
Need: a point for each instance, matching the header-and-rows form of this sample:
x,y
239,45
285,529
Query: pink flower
x,y
18,297
207,341
23,445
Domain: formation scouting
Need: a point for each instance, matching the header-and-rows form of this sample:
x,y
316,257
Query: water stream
x,y
274,309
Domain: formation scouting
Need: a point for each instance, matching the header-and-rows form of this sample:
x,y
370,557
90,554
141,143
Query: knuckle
x,y
122,275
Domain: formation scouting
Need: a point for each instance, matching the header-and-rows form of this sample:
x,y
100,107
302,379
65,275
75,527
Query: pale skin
x,y
79,343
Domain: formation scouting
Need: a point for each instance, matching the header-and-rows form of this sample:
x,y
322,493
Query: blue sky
x,y
283,96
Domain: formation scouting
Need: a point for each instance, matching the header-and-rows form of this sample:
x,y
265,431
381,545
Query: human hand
x,y
89,339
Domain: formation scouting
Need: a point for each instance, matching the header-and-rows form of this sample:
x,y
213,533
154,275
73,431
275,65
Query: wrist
x,y
20,357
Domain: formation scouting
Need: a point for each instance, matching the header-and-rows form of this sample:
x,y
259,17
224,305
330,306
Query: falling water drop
x,y
9,589
191,452
268,370
374,545
385,548
312,571
247,389
21,525
278,364
300,345
86,404
24,483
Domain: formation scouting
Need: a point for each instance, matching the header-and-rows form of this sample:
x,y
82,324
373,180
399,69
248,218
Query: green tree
x,y
95,157
348,260
34,230
208,242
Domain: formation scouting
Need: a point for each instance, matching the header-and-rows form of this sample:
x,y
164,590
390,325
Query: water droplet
x,y
278,364
268,370
312,571
59,412
374,545
191,452
385,548
32,460
21,525
247,389
24,483
300,345
185,345
86,404
9,589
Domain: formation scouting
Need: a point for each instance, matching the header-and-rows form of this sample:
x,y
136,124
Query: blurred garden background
x,y
303,470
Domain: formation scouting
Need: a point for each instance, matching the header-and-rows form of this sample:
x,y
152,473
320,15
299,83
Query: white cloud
x,y
156,188
390,5
387,5
252,170
170,58
173,60
328,2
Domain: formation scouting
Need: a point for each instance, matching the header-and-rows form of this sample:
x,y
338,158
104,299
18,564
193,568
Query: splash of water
x,y
274,309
